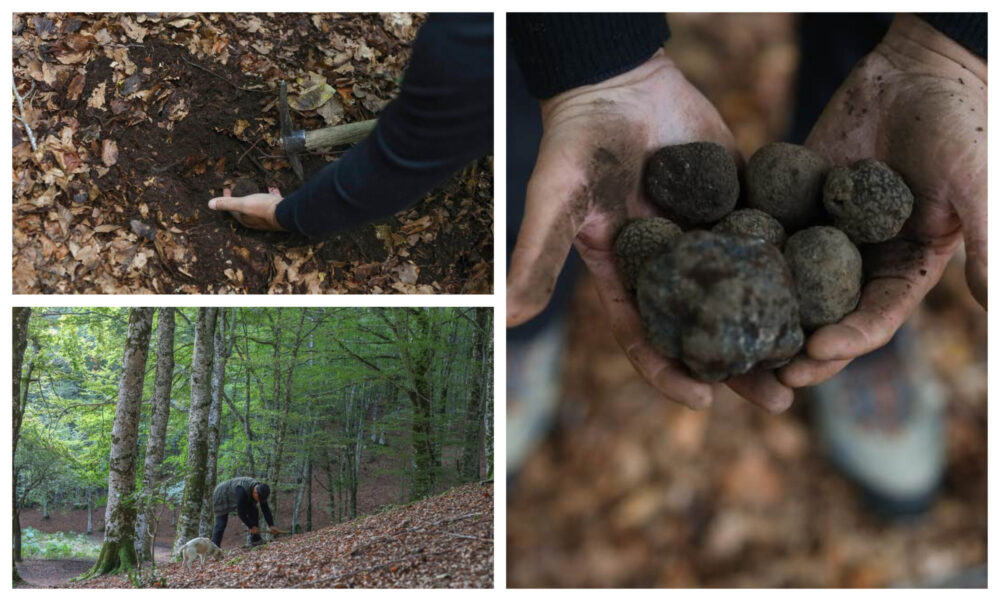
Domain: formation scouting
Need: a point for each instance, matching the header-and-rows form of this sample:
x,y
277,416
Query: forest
x,y
126,419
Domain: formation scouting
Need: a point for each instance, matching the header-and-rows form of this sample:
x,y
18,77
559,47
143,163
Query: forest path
x,y
49,573
52,573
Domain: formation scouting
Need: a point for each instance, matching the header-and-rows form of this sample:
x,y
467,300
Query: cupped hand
x,y
255,211
587,183
918,103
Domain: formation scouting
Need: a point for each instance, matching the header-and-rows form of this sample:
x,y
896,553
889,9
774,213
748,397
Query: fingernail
x,y
211,204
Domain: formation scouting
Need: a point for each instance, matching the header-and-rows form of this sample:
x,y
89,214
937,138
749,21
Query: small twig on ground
x,y
239,160
214,74
468,536
20,106
166,167
258,165
447,520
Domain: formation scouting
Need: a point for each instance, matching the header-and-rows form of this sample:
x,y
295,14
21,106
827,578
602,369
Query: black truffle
x,y
638,241
827,270
245,186
868,201
720,303
693,183
753,223
786,181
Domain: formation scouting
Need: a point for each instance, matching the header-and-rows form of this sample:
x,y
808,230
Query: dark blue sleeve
x,y
560,51
266,510
246,509
968,29
441,120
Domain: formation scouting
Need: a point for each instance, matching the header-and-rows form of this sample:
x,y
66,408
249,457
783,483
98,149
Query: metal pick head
x,y
286,131
286,118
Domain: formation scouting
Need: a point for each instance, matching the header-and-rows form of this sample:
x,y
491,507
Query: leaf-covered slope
x,y
443,541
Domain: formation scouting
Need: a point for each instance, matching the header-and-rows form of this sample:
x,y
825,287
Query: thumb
x,y
224,203
543,243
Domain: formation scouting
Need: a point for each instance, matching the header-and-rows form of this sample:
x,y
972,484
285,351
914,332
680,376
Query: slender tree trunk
x,y
90,510
488,409
152,489
297,502
473,427
201,401
331,490
118,551
20,336
309,494
45,505
223,349
423,455
16,510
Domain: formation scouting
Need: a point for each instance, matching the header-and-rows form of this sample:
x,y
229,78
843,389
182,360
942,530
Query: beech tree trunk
x,y
201,400
473,427
118,552
20,336
223,349
90,510
152,492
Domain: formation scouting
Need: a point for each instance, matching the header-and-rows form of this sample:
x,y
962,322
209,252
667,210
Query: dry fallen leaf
x,y
109,152
97,96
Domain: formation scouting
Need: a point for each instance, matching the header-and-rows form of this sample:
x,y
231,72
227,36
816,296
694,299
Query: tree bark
x,y
90,510
309,494
201,400
152,492
473,427
223,349
20,336
118,551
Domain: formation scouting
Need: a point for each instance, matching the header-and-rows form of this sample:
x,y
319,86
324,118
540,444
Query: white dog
x,y
199,547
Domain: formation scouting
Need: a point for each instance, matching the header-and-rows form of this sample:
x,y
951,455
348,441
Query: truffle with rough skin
x,y
868,201
720,303
640,240
245,186
826,267
694,183
754,223
786,182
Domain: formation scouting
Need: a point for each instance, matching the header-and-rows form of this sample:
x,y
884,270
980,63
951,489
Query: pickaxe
x,y
298,141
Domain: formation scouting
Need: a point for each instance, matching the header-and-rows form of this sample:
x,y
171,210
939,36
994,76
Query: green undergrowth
x,y
36,544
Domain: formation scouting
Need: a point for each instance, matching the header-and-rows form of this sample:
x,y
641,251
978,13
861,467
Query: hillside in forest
x,y
442,542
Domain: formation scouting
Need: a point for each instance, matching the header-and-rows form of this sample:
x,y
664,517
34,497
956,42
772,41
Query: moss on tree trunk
x,y
115,558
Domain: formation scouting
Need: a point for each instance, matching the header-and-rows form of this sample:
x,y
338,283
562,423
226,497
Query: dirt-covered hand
x,y
918,103
255,211
587,183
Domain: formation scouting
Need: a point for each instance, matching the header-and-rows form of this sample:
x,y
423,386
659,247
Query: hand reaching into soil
x,y
917,102
587,183
255,211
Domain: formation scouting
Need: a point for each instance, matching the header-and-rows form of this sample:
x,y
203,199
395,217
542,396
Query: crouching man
x,y
242,496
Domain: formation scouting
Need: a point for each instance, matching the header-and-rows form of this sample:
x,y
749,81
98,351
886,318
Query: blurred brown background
x,y
632,491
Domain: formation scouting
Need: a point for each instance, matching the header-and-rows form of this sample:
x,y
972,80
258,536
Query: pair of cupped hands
x,y
916,102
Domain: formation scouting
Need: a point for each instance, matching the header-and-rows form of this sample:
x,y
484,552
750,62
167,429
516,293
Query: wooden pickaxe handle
x,y
339,135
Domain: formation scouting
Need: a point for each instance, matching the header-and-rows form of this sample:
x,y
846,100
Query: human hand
x,y
255,211
918,103
588,181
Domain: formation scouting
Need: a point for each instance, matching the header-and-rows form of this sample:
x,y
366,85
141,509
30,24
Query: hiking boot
x,y
881,422
533,369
